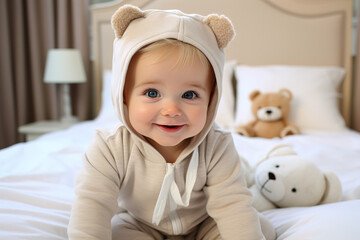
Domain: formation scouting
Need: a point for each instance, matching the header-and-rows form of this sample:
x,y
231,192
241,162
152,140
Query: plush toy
x,y
284,179
271,111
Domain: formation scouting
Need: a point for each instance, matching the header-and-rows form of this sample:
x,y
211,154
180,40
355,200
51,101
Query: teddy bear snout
x,y
270,185
271,176
268,114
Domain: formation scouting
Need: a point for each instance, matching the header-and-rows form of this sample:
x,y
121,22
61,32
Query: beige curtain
x,y
356,91
28,29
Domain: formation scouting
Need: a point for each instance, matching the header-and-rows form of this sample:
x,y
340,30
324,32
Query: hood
x,y
135,29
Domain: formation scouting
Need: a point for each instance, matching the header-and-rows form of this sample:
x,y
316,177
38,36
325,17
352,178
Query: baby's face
x,y
167,103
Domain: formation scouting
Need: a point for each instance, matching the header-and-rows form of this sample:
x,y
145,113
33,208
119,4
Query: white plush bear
x,y
284,179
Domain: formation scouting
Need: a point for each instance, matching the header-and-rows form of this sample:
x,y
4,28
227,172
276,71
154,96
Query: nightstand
x,y
36,129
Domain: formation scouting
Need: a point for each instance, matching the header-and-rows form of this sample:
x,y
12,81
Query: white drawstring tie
x,y
170,189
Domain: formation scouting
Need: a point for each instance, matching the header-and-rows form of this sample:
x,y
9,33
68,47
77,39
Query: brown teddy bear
x,y
271,111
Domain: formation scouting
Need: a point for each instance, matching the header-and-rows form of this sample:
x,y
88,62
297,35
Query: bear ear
x,y
123,17
286,92
222,28
277,150
333,190
254,94
280,150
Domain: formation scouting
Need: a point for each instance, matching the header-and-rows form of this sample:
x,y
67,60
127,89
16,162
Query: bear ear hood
x,y
123,17
222,28
135,28
220,25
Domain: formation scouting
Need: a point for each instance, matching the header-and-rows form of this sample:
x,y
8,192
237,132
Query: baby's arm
x,y
229,201
97,190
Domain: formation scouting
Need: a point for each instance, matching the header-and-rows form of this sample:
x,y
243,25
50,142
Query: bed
x,y
298,44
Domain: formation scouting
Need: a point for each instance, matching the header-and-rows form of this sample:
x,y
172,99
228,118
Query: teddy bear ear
x,y
280,150
254,94
277,150
333,190
123,17
222,28
286,92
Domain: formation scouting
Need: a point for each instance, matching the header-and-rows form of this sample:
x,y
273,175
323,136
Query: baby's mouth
x,y
170,128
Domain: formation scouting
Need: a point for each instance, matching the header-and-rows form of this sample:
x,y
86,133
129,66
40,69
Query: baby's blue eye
x,y
152,93
189,95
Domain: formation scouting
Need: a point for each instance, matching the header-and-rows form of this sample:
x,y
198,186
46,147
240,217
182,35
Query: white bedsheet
x,y
37,182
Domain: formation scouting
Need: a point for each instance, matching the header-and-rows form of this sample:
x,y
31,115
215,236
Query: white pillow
x,y
226,111
315,97
106,111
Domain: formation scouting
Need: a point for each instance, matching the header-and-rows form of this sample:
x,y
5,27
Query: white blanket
x,y
37,183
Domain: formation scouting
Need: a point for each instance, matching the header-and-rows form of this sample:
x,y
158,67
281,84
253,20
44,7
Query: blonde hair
x,y
188,54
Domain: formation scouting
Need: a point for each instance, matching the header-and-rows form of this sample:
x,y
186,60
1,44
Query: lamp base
x,y
67,116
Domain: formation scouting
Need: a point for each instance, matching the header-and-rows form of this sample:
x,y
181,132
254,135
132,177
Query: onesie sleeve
x,y
229,200
97,189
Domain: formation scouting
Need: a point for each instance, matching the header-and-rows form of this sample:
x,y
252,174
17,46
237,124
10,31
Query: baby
x,y
167,171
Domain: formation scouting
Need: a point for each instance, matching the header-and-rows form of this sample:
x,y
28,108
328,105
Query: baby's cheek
x,y
140,112
199,116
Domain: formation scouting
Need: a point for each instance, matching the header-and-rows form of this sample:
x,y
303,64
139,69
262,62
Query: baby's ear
x,y
222,27
123,17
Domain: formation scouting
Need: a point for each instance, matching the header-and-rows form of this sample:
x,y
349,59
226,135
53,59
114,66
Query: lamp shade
x,y
64,66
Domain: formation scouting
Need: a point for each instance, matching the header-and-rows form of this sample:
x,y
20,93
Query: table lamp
x,y
65,66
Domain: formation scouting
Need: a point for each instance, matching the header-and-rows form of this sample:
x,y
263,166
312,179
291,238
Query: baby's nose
x,y
171,109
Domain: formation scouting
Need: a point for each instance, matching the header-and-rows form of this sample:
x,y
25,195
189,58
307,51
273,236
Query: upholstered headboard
x,y
288,32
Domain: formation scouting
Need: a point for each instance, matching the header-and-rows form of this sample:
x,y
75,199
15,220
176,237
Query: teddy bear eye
x,y
277,166
293,190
